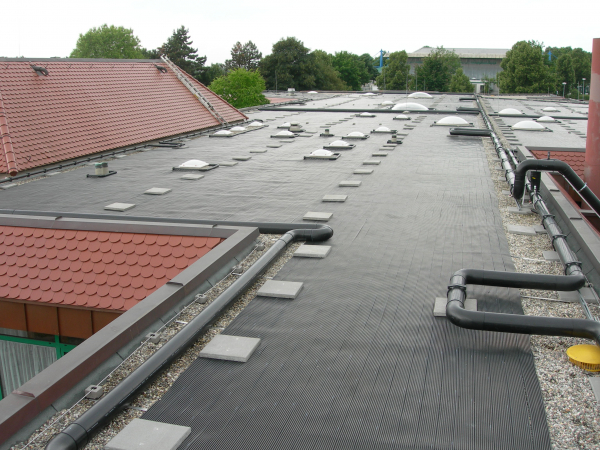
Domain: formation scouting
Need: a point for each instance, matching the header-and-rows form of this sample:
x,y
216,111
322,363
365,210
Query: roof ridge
x,y
6,142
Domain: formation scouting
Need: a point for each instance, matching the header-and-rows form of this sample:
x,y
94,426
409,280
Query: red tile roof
x,y
574,159
87,107
91,269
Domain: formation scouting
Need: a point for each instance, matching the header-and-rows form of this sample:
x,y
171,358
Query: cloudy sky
x,y
46,28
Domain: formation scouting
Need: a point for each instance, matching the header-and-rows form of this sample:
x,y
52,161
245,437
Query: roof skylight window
x,y
387,103
238,129
321,152
366,114
285,125
547,119
420,95
356,134
368,94
255,124
550,109
339,144
223,133
510,112
453,121
383,130
401,117
528,125
312,92
410,107
285,133
195,163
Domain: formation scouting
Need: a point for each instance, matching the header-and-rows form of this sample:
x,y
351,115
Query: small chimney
x,y
591,170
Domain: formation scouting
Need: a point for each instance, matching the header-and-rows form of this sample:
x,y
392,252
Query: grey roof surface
x,y
357,360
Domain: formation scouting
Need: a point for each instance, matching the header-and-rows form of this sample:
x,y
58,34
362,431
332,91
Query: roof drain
x,y
514,323
77,434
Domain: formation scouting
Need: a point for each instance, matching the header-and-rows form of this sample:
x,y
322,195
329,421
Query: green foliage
x,y
565,71
352,69
558,65
523,69
241,88
326,77
151,54
394,73
582,64
215,70
244,56
290,65
437,69
108,42
371,64
179,50
460,82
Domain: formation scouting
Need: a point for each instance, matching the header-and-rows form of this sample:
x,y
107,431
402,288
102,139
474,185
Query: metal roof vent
x,y
452,121
285,125
550,109
223,133
365,114
387,103
238,129
420,95
546,119
401,117
510,112
194,163
410,107
528,125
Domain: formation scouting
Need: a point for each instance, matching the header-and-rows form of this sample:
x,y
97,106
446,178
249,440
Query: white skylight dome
x,y
420,95
366,114
223,133
383,130
510,112
550,109
285,133
194,163
387,103
368,94
528,125
256,124
238,129
339,144
322,152
402,117
410,107
285,125
546,119
356,134
453,121
312,92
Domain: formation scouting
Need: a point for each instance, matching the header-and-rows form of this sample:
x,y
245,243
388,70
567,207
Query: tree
x,y
437,69
108,42
326,77
523,69
371,64
351,68
394,73
244,56
179,50
565,71
290,65
215,70
582,64
460,82
241,88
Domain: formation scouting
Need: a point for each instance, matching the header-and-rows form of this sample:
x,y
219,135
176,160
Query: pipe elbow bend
x,y
463,318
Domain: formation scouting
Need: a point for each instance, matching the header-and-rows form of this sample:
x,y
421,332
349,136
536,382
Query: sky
x,y
43,29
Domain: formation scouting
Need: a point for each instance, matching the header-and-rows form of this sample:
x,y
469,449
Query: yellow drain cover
x,y
585,356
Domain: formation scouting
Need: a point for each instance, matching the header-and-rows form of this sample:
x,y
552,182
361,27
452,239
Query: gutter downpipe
x,y
514,323
78,433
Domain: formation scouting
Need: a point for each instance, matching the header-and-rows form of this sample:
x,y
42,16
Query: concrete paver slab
x,y
143,434
119,206
230,348
313,251
280,289
320,216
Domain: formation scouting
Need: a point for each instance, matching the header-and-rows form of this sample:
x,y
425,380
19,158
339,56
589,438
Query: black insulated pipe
x,y
470,132
77,434
561,167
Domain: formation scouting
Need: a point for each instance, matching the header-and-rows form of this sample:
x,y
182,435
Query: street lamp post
x,y
564,85
583,89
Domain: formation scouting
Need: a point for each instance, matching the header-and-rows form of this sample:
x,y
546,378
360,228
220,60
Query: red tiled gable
x,y
91,269
574,159
87,107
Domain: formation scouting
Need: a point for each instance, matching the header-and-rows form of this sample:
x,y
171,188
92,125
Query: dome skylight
x,y
383,130
510,112
238,129
452,121
368,94
256,124
322,152
410,107
546,119
402,117
285,133
223,133
550,109
528,125
312,92
420,95
194,163
366,114
356,134
339,144
285,125
387,103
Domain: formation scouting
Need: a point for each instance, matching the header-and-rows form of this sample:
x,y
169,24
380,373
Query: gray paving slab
x,y
379,154
334,198
318,216
350,183
141,434
521,229
280,289
573,296
515,210
157,191
363,171
230,348
312,251
273,145
550,255
539,229
228,163
261,150
439,306
119,206
371,162
191,176
595,385
8,185
241,158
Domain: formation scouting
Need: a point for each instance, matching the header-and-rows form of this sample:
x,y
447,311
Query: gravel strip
x,y
571,409
163,382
